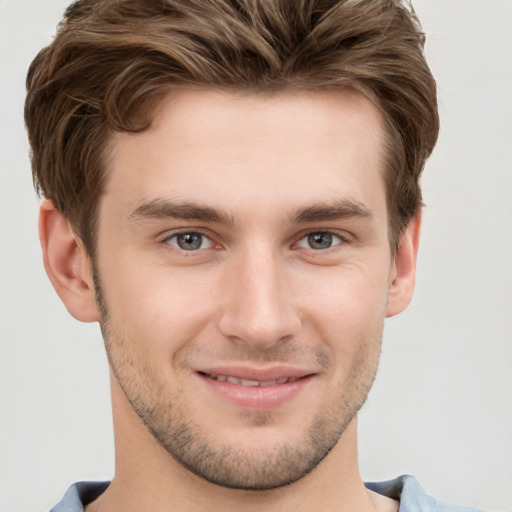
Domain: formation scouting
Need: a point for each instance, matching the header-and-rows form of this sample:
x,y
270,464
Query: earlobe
x,y
403,272
66,264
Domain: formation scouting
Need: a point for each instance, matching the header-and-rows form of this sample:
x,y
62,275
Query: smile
x,y
256,390
252,383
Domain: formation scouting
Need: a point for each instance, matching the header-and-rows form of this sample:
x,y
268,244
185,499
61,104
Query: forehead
x,y
283,149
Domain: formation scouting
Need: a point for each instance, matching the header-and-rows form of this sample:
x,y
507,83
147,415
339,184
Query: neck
x,y
148,478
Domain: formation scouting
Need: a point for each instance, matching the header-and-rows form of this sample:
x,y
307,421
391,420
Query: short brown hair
x,y
111,61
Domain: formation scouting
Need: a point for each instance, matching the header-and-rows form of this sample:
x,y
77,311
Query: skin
x,y
258,177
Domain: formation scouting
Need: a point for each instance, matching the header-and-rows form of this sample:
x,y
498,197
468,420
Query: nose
x,y
258,307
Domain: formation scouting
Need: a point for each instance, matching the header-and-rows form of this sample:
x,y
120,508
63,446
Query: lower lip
x,y
258,398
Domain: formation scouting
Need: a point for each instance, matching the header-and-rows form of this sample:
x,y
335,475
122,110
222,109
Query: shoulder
x,y
412,497
79,495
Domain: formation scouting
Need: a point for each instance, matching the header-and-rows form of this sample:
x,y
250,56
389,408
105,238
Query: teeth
x,y
252,383
249,383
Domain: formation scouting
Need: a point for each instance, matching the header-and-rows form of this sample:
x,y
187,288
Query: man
x,y
231,191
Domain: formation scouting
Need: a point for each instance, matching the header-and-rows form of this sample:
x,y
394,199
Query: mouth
x,y
249,382
255,389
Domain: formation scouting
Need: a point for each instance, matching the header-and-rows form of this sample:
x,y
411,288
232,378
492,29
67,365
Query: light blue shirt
x,y
404,489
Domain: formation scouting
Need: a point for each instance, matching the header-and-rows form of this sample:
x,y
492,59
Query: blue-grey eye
x,y
190,241
320,240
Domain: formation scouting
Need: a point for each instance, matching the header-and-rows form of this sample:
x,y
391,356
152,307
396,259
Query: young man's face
x,y
244,263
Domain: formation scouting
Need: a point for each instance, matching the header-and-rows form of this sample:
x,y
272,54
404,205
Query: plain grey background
x,y
442,405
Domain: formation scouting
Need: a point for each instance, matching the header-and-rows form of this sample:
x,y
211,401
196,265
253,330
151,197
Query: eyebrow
x,y
164,209
336,210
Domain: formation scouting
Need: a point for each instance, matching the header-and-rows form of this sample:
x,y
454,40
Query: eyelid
x,y
343,236
188,230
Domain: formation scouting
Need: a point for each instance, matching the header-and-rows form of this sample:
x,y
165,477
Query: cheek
x,y
347,307
156,303
351,292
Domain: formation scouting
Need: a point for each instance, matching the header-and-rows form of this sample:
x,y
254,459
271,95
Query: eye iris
x,y
320,240
190,241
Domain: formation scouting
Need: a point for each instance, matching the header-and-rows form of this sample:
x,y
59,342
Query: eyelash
x,y
193,231
343,238
196,231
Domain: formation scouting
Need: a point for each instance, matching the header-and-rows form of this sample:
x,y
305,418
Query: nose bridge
x,y
258,307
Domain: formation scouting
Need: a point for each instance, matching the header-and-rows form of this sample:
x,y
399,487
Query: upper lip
x,y
261,374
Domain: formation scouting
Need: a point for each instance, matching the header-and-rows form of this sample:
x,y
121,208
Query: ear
x,y
403,270
67,264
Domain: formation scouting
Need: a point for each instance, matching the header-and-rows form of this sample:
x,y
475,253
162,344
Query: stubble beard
x,y
262,468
